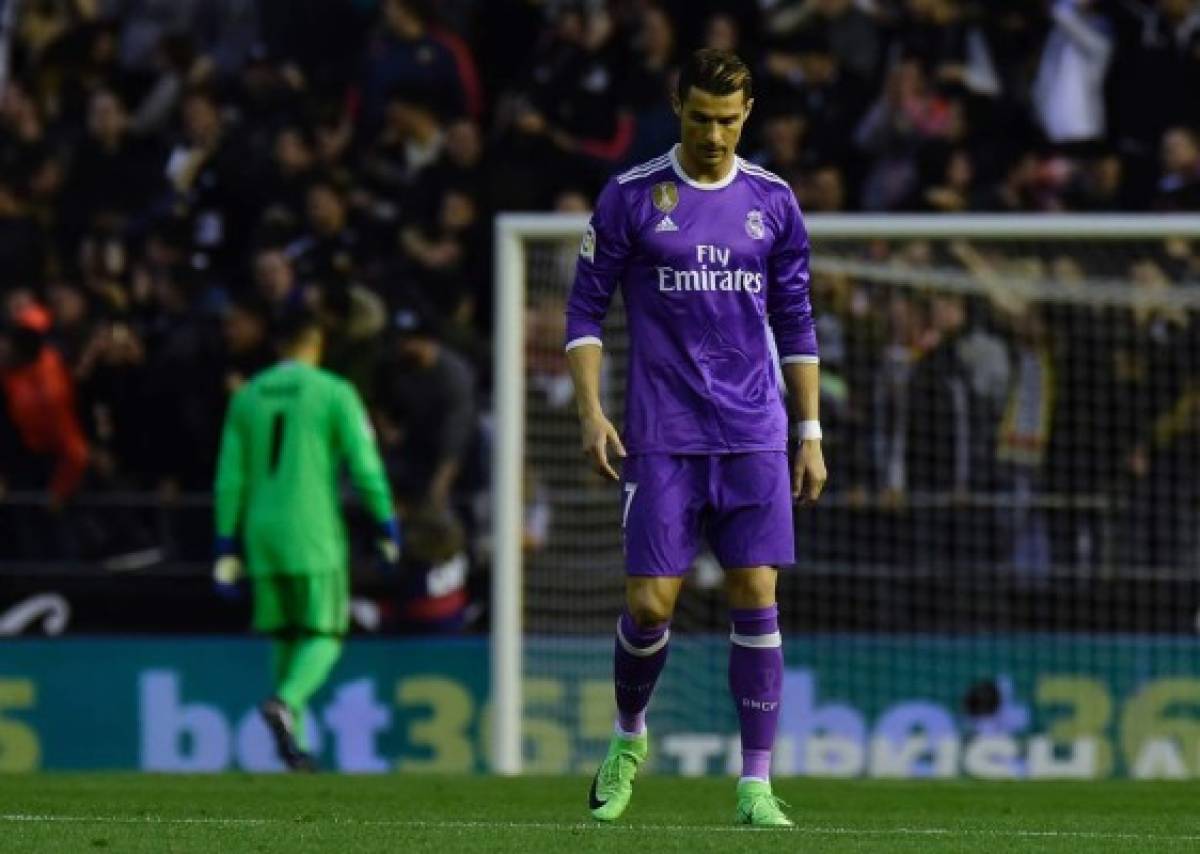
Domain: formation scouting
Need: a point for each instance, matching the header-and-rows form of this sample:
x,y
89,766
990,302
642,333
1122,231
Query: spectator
x,y
953,188
244,329
823,190
39,396
1018,191
177,67
411,141
812,82
426,408
146,24
1068,93
114,179
721,32
292,171
447,265
461,165
1179,186
1023,438
211,174
435,597
23,141
907,118
1098,184
649,81
891,396
852,35
406,56
783,144
567,121
275,281
22,251
938,442
331,253
354,319
267,94
954,50
1161,41
1155,358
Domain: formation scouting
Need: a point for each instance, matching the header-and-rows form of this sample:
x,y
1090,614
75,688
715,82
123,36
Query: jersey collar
x,y
692,182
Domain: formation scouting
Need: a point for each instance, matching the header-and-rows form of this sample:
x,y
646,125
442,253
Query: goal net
x,y
1001,577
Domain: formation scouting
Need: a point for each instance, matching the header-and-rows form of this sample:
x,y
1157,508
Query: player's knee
x,y
649,609
751,588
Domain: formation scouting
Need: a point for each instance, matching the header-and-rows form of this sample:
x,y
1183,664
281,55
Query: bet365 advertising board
x,y
1016,707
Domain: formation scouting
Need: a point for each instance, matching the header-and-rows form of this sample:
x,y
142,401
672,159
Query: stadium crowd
x,y
175,173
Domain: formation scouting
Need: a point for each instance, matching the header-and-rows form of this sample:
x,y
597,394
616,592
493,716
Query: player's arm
x,y
230,496
789,311
602,258
356,440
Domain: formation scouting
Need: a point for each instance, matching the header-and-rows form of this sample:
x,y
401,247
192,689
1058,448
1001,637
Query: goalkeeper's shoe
x,y
757,806
612,787
282,723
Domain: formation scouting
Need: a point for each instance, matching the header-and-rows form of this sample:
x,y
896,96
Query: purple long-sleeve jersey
x,y
703,269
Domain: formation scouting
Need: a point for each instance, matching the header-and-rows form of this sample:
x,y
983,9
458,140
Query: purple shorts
x,y
742,503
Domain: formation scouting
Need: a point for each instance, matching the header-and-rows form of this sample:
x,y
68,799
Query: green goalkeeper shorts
x,y
317,604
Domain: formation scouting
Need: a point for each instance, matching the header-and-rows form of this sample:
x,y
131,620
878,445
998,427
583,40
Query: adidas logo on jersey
x,y
666,224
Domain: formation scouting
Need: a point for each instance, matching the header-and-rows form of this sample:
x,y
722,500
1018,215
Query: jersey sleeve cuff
x,y
801,359
584,339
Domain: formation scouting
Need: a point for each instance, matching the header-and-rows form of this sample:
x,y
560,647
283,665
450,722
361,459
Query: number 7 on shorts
x,y
630,489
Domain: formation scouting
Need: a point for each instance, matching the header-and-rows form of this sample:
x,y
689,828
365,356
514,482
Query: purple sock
x,y
638,658
756,681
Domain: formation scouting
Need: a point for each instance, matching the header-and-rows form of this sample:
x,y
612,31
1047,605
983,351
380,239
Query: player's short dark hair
x,y
718,72
294,325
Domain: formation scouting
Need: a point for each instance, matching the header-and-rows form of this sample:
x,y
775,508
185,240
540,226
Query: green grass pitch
x,y
232,813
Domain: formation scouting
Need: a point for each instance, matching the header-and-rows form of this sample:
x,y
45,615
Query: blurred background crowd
x,y
175,173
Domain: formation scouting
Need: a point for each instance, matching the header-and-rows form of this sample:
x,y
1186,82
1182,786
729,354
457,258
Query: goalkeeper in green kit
x,y
286,435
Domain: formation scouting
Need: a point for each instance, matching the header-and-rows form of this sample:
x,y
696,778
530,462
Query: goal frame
x,y
513,229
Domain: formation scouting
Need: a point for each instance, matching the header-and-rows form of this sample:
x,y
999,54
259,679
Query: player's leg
x,y
313,658
641,647
283,648
752,533
321,612
283,653
660,518
314,609
639,655
756,683
273,595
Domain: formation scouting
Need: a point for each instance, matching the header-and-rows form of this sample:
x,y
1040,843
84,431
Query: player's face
x,y
711,125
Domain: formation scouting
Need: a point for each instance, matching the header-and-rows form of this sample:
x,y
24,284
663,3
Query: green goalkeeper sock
x,y
312,659
283,650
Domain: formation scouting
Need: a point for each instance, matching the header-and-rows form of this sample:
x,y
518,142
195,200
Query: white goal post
x,y
513,231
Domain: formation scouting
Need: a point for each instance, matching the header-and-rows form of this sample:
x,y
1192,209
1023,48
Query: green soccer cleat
x,y
758,807
612,787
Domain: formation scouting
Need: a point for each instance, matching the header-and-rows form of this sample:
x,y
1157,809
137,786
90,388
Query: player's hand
x,y
808,472
598,431
390,545
227,570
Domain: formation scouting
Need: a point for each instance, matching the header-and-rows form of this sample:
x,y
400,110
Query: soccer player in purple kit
x,y
711,255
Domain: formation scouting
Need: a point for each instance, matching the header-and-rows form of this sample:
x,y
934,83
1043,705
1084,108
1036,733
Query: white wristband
x,y
805,430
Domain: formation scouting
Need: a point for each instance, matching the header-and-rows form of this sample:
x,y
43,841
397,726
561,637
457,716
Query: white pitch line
x,y
609,828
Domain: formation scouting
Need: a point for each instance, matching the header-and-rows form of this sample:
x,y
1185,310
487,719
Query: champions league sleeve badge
x,y
754,225
587,246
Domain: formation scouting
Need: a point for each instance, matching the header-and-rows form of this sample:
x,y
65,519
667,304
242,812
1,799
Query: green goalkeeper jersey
x,y
286,435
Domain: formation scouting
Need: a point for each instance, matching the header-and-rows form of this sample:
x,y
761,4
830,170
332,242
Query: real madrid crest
x,y
754,225
665,196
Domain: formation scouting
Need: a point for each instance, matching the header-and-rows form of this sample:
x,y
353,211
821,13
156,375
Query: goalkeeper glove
x,y
227,570
389,545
